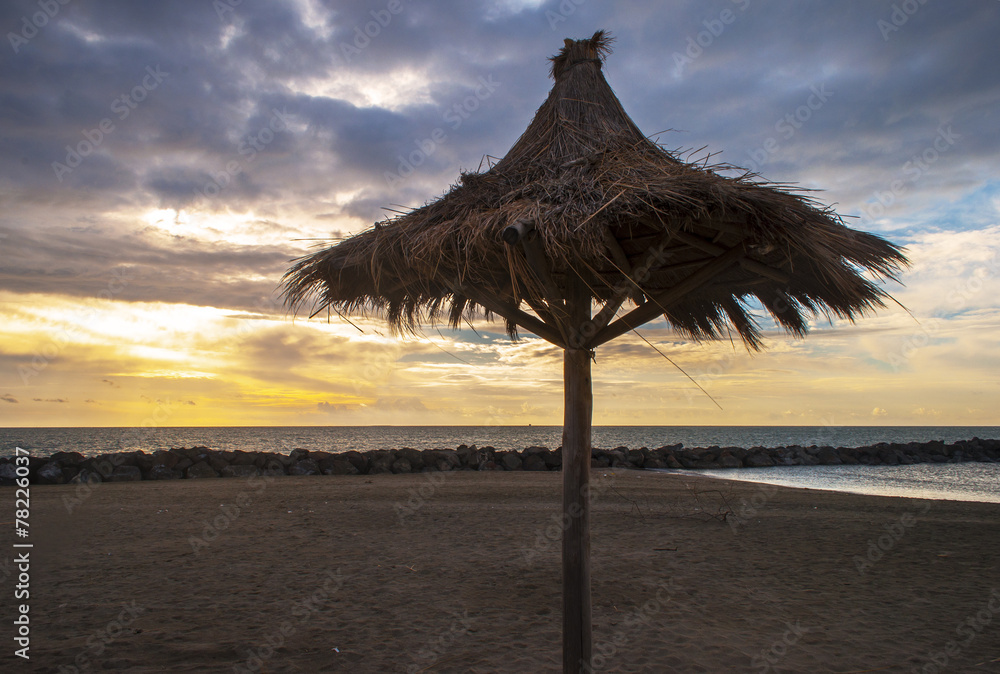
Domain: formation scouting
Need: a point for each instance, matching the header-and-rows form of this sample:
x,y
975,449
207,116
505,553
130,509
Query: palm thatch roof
x,y
584,194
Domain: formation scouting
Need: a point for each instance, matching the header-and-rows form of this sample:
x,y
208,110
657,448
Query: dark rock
x,y
51,473
85,476
297,455
727,460
319,455
534,449
888,457
200,470
120,459
188,452
739,452
340,466
274,467
635,458
261,459
217,462
672,461
617,458
847,456
414,457
164,458
240,470
535,462
554,459
304,467
442,459
654,463
357,459
466,453
183,463
828,456
245,459
670,448
126,474
489,465
601,461
68,458
143,461
161,472
382,464
510,461
806,458
402,465
758,460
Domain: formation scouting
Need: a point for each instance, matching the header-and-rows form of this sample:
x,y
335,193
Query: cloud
x,y
132,264
50,400
8,398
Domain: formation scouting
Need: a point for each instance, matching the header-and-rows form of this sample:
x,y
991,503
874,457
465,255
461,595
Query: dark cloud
x,y
204,136
8,398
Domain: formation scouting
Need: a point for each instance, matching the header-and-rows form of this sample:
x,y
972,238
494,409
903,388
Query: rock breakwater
x,y
202,462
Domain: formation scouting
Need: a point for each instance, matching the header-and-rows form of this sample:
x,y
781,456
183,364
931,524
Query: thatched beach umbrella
x,y
585,211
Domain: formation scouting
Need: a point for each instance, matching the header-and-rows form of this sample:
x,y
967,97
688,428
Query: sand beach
x,y
459,572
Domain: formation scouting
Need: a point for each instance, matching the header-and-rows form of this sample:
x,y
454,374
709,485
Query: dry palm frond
x,y
600,195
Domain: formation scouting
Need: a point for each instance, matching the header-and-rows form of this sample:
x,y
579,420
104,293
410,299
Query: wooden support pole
x,y
577,414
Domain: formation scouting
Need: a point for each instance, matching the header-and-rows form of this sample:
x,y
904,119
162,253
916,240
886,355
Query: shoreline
x,y
202,462
831,481
458,572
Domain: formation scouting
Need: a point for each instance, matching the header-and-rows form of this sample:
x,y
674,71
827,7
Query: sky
x,y
162,163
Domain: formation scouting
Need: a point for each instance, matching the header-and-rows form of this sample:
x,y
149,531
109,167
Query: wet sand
x,y
459,572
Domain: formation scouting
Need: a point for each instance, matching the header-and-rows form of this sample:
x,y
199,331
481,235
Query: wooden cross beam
x,y
656,306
